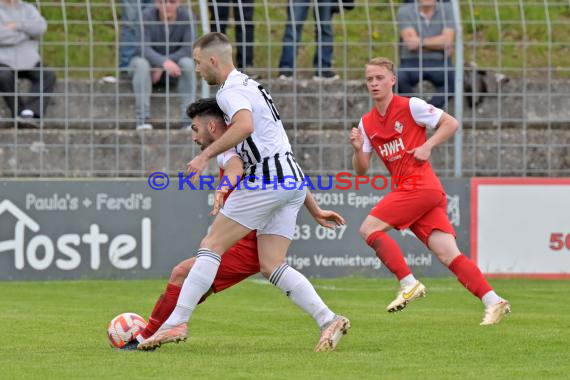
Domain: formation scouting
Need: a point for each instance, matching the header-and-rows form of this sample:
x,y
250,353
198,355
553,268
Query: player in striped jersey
x,y
289,280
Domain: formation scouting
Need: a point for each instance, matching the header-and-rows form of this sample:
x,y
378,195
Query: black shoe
x,y
326,75
130,346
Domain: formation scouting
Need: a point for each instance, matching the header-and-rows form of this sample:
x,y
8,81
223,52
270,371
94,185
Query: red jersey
x,y
249,240
400,130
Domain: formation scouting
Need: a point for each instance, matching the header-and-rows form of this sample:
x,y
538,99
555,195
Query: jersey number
x,y
270,103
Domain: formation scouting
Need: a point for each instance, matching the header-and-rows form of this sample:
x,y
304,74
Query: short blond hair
x,y
382,62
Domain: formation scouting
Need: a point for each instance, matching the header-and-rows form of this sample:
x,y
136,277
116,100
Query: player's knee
x,y
180,272
267,268
207,243
365,231
211,244
448,258
444,246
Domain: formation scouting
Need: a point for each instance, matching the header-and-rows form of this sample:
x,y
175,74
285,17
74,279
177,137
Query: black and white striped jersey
x,y
266,153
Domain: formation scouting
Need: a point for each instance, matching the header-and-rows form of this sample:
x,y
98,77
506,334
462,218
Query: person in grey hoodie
x,y
21,26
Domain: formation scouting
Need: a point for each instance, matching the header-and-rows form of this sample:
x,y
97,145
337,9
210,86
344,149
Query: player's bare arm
x,y
232,171
241,128
360,159
446,127
325,218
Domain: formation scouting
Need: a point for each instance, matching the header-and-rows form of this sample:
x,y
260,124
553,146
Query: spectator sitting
x,y
130,37
427,31
244,28
296,16
165,54
21,26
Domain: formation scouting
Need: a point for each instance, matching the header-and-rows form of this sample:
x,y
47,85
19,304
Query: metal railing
x,y
516,76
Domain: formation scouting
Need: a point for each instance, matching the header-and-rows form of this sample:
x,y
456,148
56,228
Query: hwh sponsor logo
x,y
391,148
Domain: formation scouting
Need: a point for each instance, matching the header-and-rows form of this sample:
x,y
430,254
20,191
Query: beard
x,y
211,80
210,77
206,143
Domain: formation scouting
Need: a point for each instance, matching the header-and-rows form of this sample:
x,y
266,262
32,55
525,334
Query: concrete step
x,y
302,104
118,153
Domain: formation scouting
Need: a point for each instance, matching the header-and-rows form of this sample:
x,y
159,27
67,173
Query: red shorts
x,y
238,263
421,210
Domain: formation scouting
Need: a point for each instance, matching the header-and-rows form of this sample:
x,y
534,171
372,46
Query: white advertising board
x,y
521,226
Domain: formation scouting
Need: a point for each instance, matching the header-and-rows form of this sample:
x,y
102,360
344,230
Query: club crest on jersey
x,y
398,127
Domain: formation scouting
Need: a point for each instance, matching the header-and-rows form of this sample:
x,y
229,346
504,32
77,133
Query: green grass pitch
x,y
57,330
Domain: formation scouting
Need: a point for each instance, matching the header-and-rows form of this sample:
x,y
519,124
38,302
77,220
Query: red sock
x,y
470,276
162,309
389,252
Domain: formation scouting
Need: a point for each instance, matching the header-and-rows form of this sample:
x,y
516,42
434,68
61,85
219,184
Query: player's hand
x,y
172,68
356,139
329,219
219,196
421,153
197,165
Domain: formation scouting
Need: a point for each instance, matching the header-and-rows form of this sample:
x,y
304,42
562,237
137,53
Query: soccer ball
x,y
124,328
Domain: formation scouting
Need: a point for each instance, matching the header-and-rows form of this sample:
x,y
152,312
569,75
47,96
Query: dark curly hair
x,y
205,107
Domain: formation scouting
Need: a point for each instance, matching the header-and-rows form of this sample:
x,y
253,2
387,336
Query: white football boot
x,y
332,332
406,295
495,313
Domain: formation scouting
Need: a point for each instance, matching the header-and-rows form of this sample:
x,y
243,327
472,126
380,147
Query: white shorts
x,y
269,211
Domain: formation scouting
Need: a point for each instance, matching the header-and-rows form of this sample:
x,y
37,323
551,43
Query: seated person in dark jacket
x,y
164,56
427,32
21,27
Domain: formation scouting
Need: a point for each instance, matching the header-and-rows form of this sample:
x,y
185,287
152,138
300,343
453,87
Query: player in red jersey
x,y
241,260
396,129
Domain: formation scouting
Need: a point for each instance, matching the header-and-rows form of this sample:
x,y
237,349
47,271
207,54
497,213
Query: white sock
x,y
490,298
27,113
409,280
197,283
302,293
139,338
